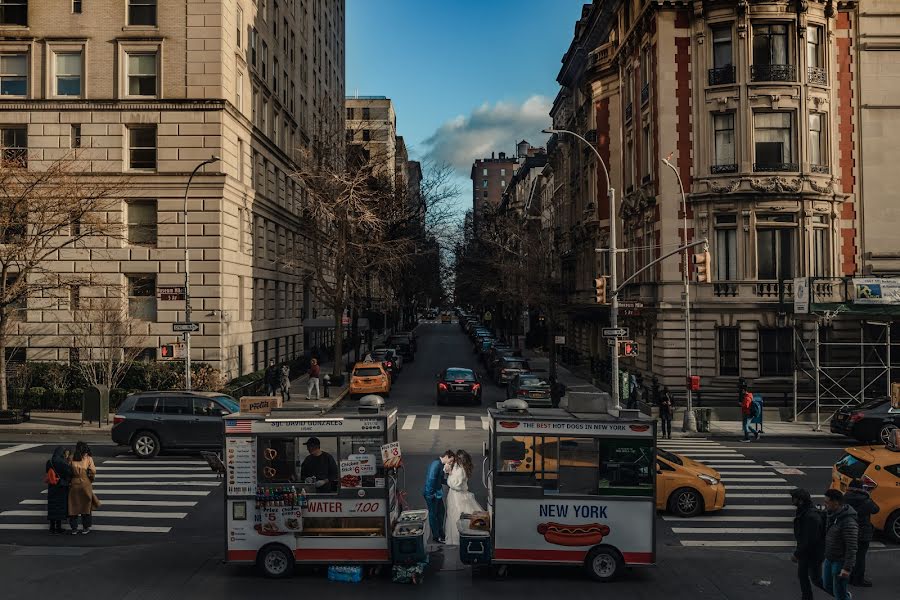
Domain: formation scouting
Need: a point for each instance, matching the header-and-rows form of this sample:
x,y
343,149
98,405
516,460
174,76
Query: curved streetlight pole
x,y
690,421
187,275
613,251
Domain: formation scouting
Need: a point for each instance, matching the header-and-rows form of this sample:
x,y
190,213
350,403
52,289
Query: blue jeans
x,y
436,515
832,582
745,426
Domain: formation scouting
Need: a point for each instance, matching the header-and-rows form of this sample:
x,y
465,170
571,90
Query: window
x,y
68,74
776,247
484,172
175,405
293,45
142,12
776,351
729,351
254,103
503,172
142,147
76,6
264,61
647,154
503,183
774,141
815,59
14,12
253,41
142,297
366,135
142,74
484,194
820,255
284,88
240,153
484,183
265,116
75,136
722,47
818,153
726,247
141,219
724,160
15,145
144,404
645,66
366,114
239,91
771,53
275,74
13,75
239,27
276,128
350,114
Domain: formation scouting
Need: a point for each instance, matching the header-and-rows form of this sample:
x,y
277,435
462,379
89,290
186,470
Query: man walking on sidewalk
x,y
809,532
272,377
841,538
858,497
666,412
313,379
746,414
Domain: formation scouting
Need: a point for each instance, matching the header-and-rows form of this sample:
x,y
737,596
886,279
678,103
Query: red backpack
x,y
51,478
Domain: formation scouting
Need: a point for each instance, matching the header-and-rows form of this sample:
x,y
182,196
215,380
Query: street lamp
x,y
690,421
187,275
613,250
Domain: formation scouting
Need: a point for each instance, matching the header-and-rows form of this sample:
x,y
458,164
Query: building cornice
x,y
111,105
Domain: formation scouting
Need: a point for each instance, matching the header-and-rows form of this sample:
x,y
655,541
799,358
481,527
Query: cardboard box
x,y
259,404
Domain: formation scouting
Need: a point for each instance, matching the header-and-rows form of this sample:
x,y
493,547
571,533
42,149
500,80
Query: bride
x,y
459,499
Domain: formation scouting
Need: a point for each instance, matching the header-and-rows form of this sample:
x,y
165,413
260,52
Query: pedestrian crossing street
x,y
443,422
758,514
138,496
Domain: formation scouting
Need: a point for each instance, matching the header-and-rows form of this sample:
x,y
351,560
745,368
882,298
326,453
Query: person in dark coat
x,y
809,529
841,538
58,493
858,497
272,378
666,413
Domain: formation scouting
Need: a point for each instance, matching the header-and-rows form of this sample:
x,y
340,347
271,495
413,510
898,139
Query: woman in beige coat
x,y
81,492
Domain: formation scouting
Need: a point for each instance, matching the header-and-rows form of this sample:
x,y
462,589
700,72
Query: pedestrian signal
x,y
630,348
702,262
167,351
600,289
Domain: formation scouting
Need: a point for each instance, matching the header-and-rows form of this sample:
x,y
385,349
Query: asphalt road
x,y
160,533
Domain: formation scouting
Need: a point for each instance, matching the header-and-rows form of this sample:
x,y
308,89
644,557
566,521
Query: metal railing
x,y
773,73
721,75
645,94
816,75
775,167
716,169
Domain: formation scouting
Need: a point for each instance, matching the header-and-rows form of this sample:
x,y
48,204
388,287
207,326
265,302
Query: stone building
x,y
489,179
764,107
150,89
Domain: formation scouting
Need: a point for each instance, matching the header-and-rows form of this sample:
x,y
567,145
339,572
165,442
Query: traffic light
x,y
600,288
703,262
167,351
630,348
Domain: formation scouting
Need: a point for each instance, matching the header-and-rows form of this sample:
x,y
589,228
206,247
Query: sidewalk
x,y
724,428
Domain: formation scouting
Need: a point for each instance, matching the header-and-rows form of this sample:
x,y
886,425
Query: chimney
x,y
492,155
502,155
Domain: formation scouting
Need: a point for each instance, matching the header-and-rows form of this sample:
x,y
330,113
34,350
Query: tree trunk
x,y
4,401
337,369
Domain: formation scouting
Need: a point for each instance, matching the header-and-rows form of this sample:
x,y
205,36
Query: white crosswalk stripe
x,y
138,496
435,422
409,422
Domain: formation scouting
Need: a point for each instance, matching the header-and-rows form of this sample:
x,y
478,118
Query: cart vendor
x,y
319,467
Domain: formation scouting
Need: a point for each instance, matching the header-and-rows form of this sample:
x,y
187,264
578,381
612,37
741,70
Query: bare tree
x,y
45,208
101,330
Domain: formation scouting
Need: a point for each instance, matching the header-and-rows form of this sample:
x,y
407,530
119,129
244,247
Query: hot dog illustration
x,y
573,535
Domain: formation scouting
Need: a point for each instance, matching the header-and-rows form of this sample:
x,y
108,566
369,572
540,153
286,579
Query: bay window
x,y
724,159
771,53
776,247
774,141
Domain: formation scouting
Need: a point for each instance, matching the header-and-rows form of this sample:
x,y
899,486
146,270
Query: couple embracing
x,y
452,469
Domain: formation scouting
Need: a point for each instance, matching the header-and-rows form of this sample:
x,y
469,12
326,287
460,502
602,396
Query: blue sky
x,y
467,77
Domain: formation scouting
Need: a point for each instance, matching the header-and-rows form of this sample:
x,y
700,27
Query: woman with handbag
x,y
81,493
58,476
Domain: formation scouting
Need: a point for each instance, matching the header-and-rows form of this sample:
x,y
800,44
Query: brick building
x,y
489,179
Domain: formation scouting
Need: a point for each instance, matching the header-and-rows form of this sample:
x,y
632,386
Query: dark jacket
x,y
434,481
666,406
58,495
865,507
808,528
842,537
273,376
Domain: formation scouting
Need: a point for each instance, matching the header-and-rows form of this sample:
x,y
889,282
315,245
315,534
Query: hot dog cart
x,y
280,510
565,487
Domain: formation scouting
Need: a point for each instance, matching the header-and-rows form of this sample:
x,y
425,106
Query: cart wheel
x,y
276,562
604,563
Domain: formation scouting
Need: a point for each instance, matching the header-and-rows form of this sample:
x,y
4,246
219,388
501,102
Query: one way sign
x,y
192,327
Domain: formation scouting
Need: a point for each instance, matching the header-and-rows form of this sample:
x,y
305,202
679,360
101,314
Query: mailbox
x,y
95,404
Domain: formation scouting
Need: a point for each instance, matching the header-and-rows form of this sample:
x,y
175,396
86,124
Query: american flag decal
x,y
237,426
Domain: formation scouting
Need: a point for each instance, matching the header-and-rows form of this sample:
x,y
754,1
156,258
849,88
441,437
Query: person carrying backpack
x,y
746,413
858,497
809,532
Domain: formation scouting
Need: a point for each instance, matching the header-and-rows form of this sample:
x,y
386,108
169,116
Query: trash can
x,y
95,404
704,416
758,416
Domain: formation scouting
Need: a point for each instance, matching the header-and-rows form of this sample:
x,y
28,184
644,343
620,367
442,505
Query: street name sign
x,y
186,327
615,332
171,293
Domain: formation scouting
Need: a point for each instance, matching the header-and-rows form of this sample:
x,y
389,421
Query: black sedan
x,y
458,384
391,360
871,422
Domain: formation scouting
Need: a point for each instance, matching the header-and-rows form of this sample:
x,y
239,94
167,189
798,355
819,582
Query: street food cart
x,y
568,488
278,513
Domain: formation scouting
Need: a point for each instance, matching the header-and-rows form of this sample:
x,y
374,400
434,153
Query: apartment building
x,y
151,89
758,106
490,177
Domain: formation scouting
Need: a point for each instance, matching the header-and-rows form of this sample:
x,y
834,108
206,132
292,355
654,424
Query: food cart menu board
x,y
240,463
351,474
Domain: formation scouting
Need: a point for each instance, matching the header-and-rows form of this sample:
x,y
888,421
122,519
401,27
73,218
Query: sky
x,y
467,77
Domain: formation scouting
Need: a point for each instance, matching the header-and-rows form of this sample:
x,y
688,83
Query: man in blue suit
x,y
434,495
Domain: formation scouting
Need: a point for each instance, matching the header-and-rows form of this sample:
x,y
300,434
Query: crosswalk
x,y
138,496
443,422
758,514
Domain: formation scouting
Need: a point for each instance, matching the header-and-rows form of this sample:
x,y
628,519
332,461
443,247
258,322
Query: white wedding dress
x,y
459,500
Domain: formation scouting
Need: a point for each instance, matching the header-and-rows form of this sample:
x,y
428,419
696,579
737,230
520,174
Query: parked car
x,y
508,367
151,422
493,358
871,422
685,487
878,467
411,336
530,387
456,383
445,318
483,344
369,378
403,346
390,358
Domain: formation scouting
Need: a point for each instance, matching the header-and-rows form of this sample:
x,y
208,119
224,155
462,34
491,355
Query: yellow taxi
x,y
369,378
445,317
878,468
685,487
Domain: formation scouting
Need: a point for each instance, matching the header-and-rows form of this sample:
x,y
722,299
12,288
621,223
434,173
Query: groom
x,y
435,479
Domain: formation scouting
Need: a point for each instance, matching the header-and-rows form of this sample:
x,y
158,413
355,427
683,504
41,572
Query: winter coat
x,y
808,528
314,371
865,507
842,537
272,376
666,406
81,493
58,495
285,378
746,402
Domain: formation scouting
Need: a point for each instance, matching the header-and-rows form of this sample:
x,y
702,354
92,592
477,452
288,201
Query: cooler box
x,y
474,544
409,537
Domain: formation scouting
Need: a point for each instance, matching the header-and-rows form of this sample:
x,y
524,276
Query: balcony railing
x,y
773,73
645,94
775,167
816,75
716,169
725,288
822,290
629,109
823,169
722,75
773,289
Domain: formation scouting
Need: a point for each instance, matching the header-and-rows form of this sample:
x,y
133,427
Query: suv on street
x,y
172,420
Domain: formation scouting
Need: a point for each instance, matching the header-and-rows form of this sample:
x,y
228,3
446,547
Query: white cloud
x,y
489,128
